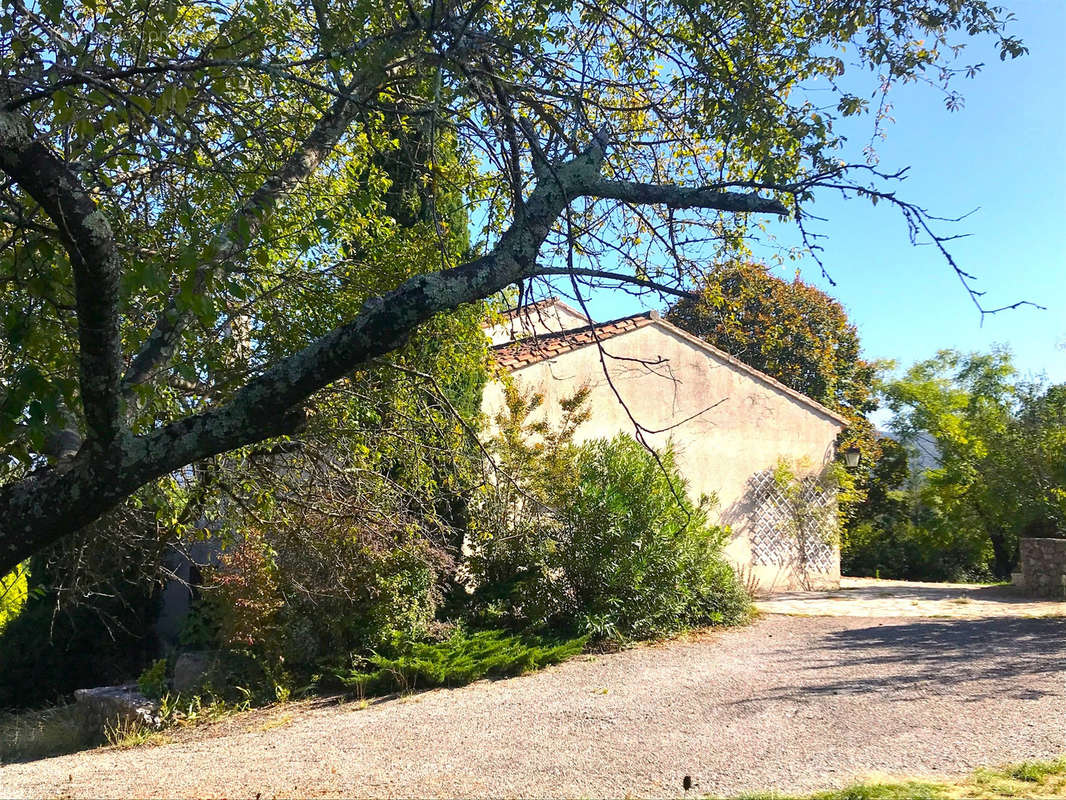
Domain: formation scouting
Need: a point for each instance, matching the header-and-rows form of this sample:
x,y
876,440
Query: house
x,y
730,425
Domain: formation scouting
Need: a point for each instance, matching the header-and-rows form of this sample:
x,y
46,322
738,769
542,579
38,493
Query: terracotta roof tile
x,y
515,355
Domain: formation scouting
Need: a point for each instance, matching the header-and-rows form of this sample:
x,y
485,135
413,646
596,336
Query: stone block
x,y
193,668
1043,564
117,705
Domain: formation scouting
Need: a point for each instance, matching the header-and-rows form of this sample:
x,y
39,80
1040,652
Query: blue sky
x,y
1003,154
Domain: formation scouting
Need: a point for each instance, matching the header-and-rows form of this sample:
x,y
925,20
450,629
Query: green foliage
x,y
636,552
14,589
152,683
995,470
283,602
407,665
928,549
599,538
192,109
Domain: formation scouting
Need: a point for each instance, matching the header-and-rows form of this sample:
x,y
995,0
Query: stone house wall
x,y
729,425
1043,565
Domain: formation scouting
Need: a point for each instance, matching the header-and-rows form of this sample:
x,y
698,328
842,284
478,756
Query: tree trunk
x,y
1003,552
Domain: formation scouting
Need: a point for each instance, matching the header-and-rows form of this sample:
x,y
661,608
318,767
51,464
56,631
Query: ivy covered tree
x,y
186,180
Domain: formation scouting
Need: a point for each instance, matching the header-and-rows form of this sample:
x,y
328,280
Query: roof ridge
x,y
650,315
757,373
524,352
540,304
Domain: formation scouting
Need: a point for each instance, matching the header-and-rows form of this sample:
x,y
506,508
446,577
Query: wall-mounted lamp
x,y
851,457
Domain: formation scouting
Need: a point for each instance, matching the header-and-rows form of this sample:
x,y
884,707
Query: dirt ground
x,y
791,703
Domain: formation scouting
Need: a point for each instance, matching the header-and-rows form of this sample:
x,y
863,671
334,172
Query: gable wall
x,y
751,427
536,321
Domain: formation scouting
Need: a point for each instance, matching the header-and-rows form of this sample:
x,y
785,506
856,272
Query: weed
x,y
277,722
1035,771
1029,779
123,734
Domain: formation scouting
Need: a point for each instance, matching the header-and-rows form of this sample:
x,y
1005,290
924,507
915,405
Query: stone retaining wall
x,y
1043,565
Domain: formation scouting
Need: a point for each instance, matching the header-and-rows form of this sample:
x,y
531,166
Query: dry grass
x,y
30,735
278,721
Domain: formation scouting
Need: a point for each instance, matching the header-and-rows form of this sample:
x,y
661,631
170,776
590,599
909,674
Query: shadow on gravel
x,y
997,593
970,659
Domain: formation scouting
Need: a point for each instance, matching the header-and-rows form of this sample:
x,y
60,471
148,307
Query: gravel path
x,y
869,597
790,703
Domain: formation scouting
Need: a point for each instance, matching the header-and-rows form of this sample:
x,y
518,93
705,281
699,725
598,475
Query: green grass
x,y
463,658
1029,779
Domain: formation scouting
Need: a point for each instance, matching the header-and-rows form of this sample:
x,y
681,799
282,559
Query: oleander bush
x,y
600,538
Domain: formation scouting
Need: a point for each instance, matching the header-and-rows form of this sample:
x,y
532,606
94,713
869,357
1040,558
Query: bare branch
x,y
616,276
709,197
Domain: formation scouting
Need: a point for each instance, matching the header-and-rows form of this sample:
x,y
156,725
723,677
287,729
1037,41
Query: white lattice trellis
x,y
774,539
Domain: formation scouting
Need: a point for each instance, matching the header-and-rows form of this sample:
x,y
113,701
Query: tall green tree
x,y
792,331
174,167
999,469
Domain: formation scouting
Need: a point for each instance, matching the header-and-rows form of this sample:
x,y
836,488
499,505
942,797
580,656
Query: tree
x,y
792,331
173,167
798,334
1000,469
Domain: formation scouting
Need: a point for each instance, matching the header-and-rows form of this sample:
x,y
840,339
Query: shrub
x,y
927,550
152,683
638,552
623,554
350,589
406,664
281,605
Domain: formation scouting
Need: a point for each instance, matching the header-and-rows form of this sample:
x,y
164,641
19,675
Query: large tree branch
x,y
245,224
97,267
51,503
686,197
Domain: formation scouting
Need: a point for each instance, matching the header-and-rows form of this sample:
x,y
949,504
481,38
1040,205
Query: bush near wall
x,y
623,553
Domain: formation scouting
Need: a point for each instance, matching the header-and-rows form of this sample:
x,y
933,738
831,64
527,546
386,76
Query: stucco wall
x,y
1043,565
745,426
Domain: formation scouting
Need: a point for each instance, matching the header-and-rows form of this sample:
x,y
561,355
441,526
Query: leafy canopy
x,y
998,468
203,210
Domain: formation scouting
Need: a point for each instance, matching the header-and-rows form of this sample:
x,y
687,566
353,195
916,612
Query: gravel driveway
x,y
868,597
789,703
